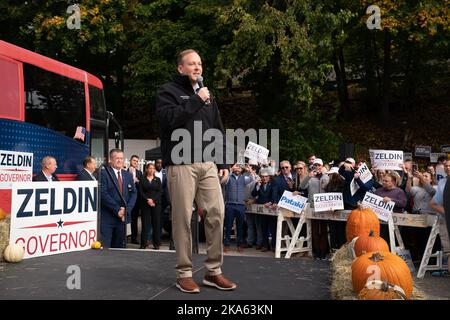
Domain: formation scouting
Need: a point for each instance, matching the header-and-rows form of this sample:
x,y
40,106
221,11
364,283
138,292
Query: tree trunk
x,y
341,81
386,79
371,84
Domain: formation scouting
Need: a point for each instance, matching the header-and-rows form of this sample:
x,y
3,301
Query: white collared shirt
x,y
159,175
49,178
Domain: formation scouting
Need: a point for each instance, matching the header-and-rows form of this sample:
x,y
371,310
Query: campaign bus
x,y
50,108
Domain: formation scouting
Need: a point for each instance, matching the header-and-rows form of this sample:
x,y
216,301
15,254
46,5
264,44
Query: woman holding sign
x,y
390,192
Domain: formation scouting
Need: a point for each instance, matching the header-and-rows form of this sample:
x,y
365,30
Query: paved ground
x,y
148,274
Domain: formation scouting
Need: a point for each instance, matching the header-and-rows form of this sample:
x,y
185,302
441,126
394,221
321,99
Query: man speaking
x,y
182,105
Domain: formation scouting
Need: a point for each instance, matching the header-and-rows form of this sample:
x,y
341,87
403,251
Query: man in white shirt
x,y
47,173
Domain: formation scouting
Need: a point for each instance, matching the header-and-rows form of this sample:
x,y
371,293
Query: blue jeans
x,y
233,211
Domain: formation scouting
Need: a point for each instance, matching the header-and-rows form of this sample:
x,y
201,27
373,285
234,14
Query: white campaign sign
x,y
387,159
292,202
15,167
440,173
328,201
54,217
256,152
364,175
434,156
376,203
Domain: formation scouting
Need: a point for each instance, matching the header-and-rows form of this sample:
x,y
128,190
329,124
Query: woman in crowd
x,y
390,192
378,178
421,196
316,182
301,172
337,228
150,189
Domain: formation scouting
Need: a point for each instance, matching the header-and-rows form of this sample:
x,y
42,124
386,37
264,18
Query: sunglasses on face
x,y
284,167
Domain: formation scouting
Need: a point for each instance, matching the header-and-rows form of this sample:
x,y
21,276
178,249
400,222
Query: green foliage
x,y
284,51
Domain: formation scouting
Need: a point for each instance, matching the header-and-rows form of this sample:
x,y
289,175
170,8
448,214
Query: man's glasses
x,y
284,167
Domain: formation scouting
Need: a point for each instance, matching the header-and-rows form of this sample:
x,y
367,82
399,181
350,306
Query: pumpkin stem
x,y
359,205
377,257
371,233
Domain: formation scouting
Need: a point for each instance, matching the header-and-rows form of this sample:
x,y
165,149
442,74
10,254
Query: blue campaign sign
x,y
445,148
422,151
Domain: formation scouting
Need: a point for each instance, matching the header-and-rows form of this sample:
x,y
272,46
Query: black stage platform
x,y
150,275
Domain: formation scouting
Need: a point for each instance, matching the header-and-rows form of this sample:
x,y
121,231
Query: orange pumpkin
x,y
381,290
383,266
360,222
370,243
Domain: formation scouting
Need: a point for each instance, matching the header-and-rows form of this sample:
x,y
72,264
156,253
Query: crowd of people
x,y
146,196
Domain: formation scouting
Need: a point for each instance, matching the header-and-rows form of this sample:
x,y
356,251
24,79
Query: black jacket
x,y
150,190
41,177
177,107
84,176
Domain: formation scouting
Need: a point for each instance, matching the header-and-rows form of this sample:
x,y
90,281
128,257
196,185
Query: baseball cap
x,y
318,161
350,160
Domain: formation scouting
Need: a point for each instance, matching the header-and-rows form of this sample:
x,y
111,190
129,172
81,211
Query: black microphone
x,y
200,85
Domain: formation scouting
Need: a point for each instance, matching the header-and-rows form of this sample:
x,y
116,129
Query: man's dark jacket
x,y
177,107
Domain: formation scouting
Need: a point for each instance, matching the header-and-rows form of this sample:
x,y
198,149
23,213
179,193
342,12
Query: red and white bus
x,y
50,108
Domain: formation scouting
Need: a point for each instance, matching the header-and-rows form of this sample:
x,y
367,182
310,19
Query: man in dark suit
x,y
266,193
118,194
47,173
137,176
285,180
89,166
165,201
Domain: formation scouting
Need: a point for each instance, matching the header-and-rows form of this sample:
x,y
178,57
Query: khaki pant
x,y
199,182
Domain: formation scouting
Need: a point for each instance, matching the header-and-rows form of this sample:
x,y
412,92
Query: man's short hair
x,y
114,151
87,160
285,161
134,156
46,160
184,53
442,159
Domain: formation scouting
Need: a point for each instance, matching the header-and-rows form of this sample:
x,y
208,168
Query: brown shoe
x,y
240,249
219,281
258,247
226,248
264,249
187,285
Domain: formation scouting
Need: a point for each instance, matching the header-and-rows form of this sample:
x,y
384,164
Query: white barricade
x,y
294,244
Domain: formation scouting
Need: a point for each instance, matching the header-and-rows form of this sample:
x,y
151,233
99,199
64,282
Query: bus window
x,y
98,110
98,136
10,89
53,101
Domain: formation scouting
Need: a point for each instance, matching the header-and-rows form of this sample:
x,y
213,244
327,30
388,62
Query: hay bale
x,y
4,235
341,279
